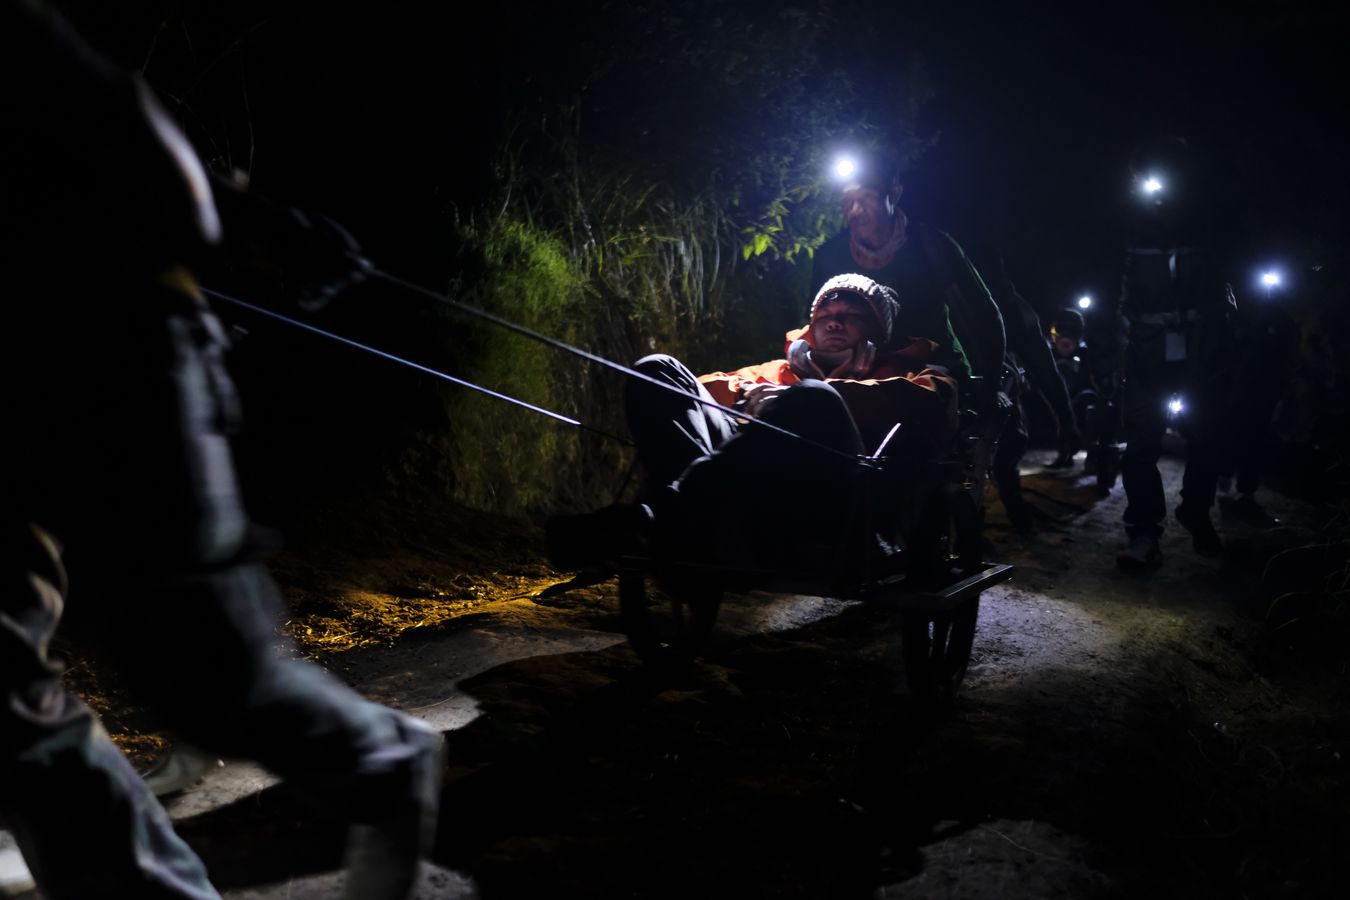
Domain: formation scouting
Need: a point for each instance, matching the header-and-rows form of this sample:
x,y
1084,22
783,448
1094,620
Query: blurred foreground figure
x,y
122,496
1179,353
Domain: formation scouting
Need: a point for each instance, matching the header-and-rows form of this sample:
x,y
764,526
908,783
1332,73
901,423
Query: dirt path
x,y
1117,738
1120,735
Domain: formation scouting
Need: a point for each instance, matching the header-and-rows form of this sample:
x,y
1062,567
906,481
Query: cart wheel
x,y
936,649
936,646
669,625
946,541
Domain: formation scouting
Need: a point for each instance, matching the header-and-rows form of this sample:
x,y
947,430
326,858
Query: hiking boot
x,y
597,538
1203,536
15,879
1141,553
1246,509
384,856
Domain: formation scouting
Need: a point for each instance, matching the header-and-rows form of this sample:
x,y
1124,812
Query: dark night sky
x,y
1038,114
353,113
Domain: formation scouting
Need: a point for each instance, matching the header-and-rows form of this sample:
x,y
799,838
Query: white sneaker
x,y
181,768
15,878
383,857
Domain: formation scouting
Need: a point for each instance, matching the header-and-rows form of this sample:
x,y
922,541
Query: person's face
x,y
865,213
841,325
1066,345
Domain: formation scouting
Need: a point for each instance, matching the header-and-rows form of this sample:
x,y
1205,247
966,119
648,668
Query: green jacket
x,y
942,298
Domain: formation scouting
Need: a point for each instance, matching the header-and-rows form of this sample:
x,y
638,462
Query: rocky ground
x,y
1120,734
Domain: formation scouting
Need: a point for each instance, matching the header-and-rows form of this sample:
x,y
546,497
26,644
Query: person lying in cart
x,y
759,467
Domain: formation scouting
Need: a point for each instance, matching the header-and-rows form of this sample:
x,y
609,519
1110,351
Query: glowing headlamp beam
x,y
1152,185
1270,279
845,167
1175,406
1085,301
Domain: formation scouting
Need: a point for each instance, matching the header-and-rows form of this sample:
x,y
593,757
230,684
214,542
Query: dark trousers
x,y
1012,445
1090,411
86,823
1249,441
672,428
125,463
1149,385
736,491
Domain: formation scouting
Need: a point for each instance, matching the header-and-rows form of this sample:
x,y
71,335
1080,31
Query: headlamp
x,y
1085,301
845,167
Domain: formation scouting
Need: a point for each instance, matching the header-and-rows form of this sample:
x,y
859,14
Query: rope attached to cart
x,y
530,334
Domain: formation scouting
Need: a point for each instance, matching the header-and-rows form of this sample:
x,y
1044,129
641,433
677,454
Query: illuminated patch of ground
x,y
379,569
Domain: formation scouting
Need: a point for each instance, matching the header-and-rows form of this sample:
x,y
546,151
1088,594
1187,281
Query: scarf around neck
x,y
878,258
806,363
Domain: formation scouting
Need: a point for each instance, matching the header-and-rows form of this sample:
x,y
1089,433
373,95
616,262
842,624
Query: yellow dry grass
x,y
358,618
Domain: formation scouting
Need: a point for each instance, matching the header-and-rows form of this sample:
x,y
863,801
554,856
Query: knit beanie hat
x,y
881,300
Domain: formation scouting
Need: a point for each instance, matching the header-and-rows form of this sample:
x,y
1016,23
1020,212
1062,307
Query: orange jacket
x,y
900,388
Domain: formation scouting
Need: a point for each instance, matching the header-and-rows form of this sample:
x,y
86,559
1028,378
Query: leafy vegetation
x,y
634,214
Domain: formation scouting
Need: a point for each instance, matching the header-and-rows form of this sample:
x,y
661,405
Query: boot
x,y
1142,552
1203,536
1246,509
384,856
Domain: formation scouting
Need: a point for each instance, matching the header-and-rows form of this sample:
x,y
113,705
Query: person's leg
x,y
228,687
670,427
1088,410
1199,484
1248,467
166,556
86,823
204,653
766,495
821,426
1254,442
1012,445
1205,439
1144,422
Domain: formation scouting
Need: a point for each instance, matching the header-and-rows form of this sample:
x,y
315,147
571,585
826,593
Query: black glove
x,y
311,257
326,260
